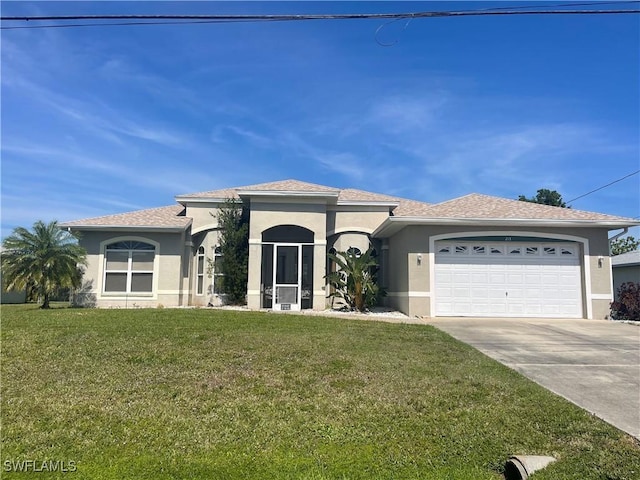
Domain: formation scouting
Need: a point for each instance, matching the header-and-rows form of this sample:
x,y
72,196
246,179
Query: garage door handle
x,y
506,294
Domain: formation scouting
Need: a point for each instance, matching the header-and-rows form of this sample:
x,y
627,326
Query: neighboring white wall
x,y
13,297
623,274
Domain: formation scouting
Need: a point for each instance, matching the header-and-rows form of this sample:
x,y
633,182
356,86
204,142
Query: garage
x,y
508,279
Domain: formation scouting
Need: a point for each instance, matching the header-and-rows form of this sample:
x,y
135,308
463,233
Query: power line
x,y
172,19
604,186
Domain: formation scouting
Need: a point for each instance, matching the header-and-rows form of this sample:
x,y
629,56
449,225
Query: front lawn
x,y
206,394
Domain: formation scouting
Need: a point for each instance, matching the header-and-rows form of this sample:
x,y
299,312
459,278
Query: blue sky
x,y
104,120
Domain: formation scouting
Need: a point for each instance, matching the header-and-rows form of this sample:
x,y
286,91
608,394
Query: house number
x,y
507,239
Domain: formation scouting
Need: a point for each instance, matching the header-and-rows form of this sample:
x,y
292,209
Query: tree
x,y
233,220
355,281
43,260
546,197
624,245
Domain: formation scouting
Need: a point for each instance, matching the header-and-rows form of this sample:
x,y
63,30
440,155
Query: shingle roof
x,y
280,186
353,195
472,207
479,206
162,217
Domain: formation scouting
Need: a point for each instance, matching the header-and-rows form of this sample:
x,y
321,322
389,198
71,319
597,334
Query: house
x,y
475,255
626,268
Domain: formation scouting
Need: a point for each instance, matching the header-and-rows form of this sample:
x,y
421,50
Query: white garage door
x,y
508,279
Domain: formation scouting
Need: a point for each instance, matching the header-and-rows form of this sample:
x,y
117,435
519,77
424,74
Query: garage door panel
x,y
517,280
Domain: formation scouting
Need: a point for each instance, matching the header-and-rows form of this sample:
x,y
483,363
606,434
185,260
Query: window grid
x,y
133,278
200,271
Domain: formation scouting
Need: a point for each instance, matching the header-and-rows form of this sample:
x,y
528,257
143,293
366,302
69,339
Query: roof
x,y
293,187
479,206
163,218
279,186
470,209
626,259
485,210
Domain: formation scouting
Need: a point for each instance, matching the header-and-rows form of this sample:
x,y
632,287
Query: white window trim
x,y
200,257
102,270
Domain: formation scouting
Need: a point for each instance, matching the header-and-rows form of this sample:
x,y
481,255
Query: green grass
x,y
205,394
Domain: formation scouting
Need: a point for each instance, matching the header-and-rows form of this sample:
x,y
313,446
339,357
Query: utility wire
x,y
162,19
604,186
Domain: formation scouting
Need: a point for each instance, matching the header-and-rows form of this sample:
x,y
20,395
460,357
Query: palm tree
x,y
354,281
45,259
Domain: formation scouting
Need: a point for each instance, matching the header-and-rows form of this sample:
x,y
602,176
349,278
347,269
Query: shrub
x,y
627,304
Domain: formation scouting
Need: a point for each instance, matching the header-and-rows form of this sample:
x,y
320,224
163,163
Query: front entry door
x,y
287,275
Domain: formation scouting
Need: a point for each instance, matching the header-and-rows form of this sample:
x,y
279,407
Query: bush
x,y
627,304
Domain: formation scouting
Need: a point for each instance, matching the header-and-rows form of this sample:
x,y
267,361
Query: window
x,y
129,267
217,270
200,271
461,249
354,252
496,250
515,250
445,249
549,250
532,250
479,250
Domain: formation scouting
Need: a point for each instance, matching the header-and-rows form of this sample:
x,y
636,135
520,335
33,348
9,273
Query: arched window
x,y
200,271
129,267
354,252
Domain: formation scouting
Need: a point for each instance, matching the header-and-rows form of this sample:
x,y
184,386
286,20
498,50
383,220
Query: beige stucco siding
x,y
366,219
170,271
268,214
410,261
204,216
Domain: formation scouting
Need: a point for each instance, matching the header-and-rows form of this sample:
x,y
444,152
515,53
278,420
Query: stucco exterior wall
x,y
266,214
410,261
171,270
209,240
360,218
204,216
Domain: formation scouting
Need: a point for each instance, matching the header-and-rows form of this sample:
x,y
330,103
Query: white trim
x,y
101,268
134,228
253,292
361,231
174,292
182,200
287,193
410,294
209,226
319,292
601,296
368,203
392,225
586,266
198,257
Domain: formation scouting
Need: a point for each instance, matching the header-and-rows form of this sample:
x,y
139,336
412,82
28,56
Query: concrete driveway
x,y
592,363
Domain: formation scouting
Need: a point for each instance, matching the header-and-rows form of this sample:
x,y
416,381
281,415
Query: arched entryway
x,y
287,268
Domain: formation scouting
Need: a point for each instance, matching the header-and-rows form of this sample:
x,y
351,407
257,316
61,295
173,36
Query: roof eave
x,y
394,224
137,228
287,193
184,200
367,203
